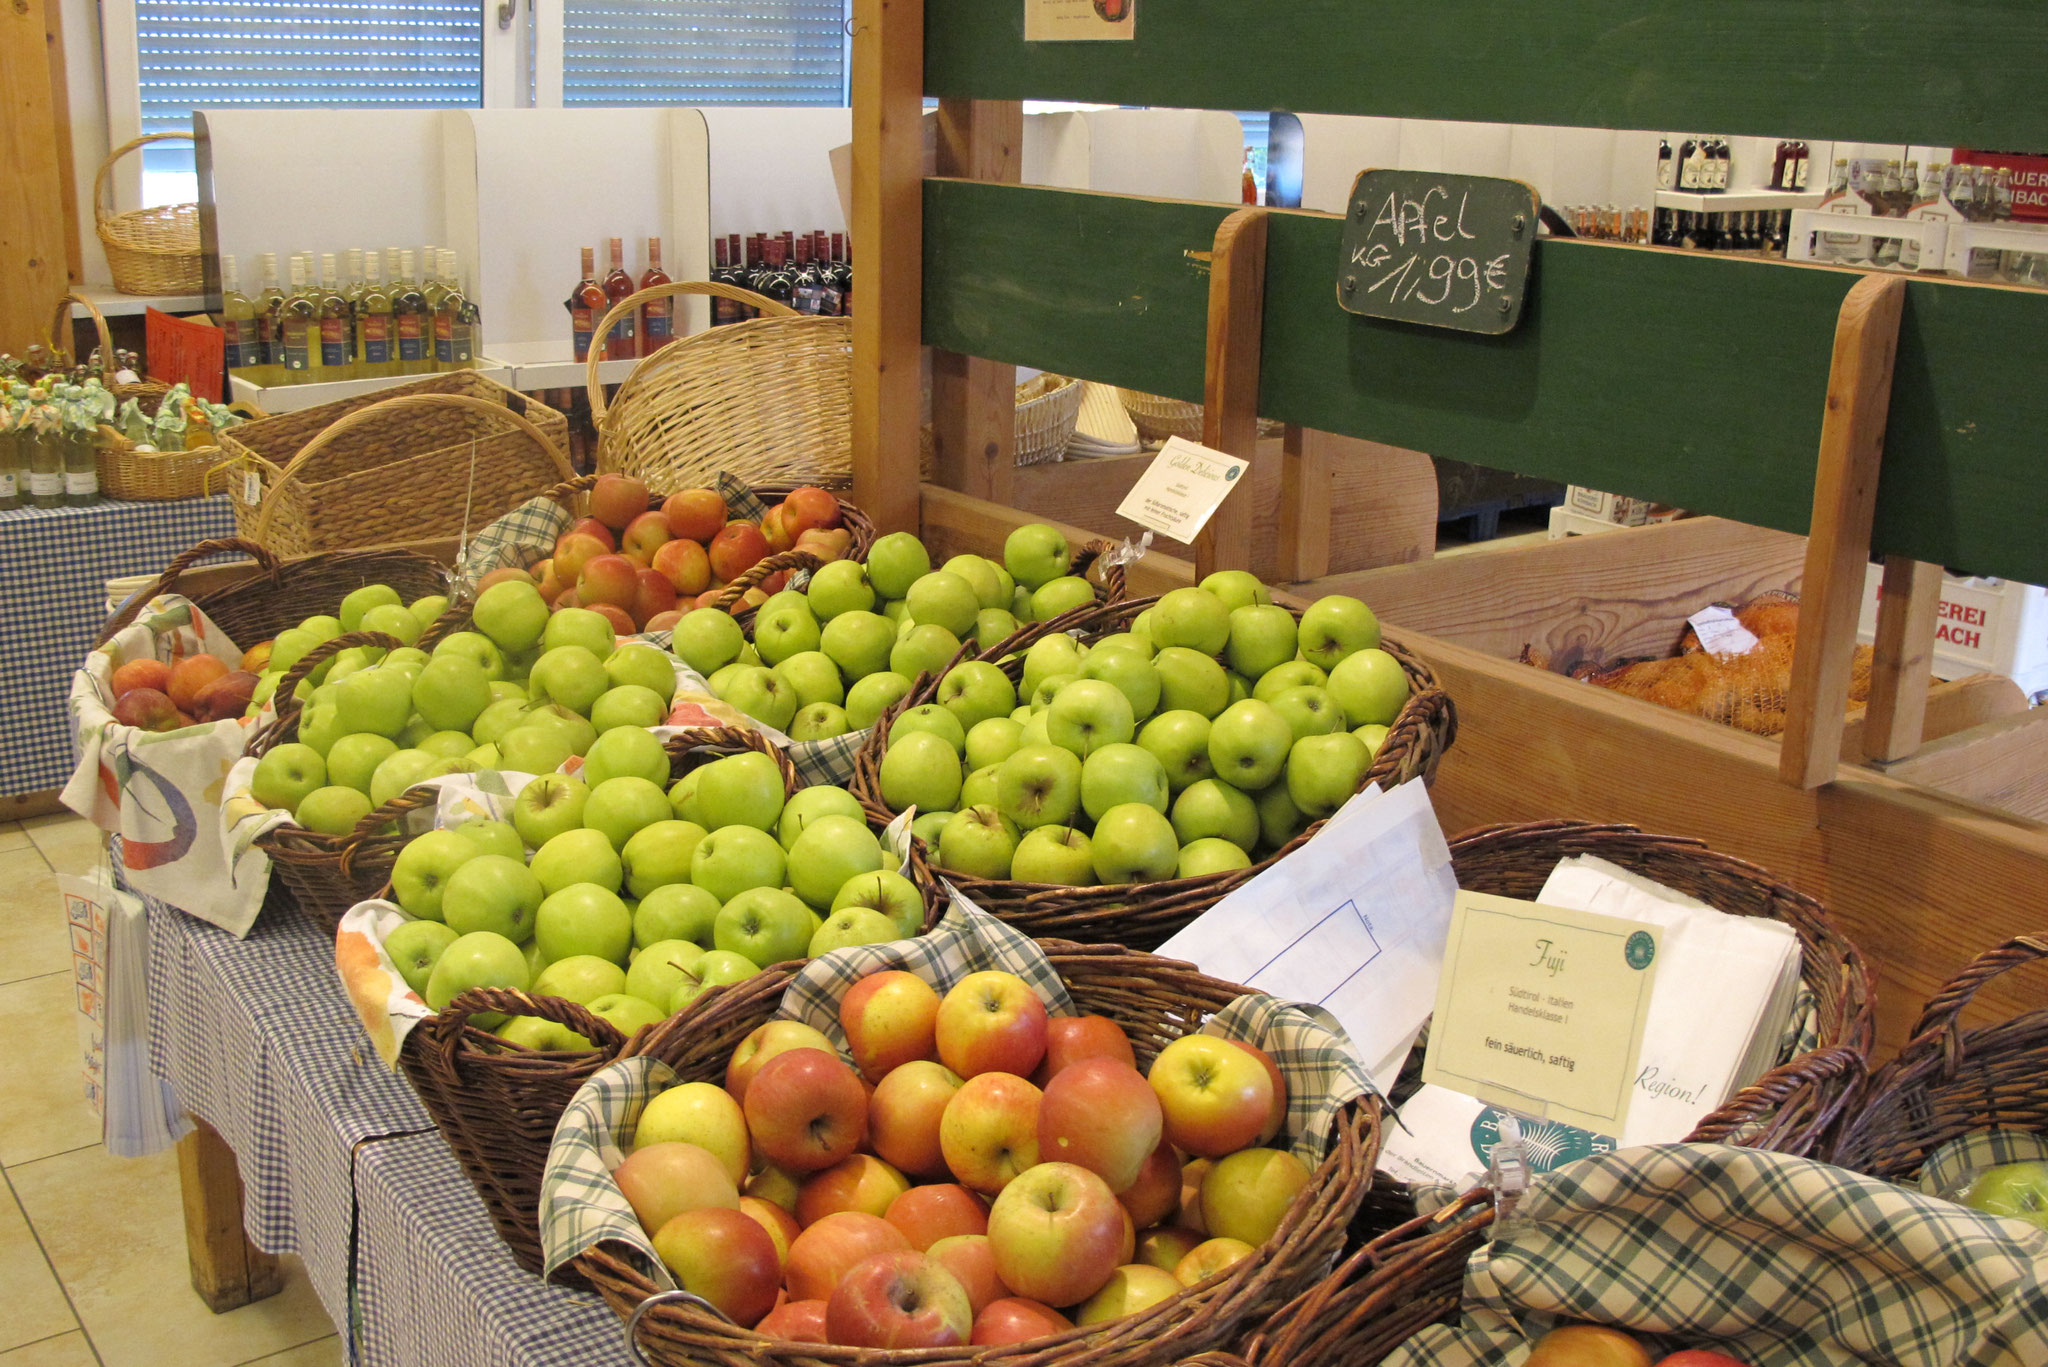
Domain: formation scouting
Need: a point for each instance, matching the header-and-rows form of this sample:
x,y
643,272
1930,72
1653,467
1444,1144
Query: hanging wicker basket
x,y
149,251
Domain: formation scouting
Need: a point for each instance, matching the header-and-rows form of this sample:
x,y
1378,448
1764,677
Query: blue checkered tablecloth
x,y
54,602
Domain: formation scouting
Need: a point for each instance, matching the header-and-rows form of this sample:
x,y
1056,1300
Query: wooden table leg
x,y
227,1270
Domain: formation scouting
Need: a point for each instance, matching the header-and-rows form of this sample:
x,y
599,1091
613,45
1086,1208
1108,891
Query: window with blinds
x,y
626,52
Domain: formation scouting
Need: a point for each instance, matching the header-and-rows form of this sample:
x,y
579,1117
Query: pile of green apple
x,y
632,898
1212,731
525,690
829,659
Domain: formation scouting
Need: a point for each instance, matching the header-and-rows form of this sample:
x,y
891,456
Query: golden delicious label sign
x,y
1079,21
1182,488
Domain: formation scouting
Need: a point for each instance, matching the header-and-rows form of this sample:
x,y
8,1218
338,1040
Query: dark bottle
x,y
804,276
775,281
723,310
1689,166
842,271
1667,169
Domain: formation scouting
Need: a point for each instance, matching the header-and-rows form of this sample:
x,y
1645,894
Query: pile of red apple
x,y
1596,1345
981,1174
642,564
156,696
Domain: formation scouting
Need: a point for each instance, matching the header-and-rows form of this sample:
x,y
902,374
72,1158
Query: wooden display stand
x,y
1768,393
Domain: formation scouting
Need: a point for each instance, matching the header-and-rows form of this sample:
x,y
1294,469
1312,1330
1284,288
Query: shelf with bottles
x,y
1732,201
113,304
810,272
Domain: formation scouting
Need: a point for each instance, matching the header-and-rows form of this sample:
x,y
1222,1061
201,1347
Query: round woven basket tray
x,y
1156,1001
1145,915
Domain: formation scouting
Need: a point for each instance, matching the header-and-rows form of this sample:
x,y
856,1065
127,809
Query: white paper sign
x,y
1182,489
1079,21
1720,633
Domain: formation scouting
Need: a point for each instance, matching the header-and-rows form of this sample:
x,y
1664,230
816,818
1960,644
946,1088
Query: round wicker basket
x,y
149,251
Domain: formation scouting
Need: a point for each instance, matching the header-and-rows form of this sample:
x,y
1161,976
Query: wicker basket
x,y
1948,1082
1157,417
769,401
573,495
443,455
61,345
1147,914
1046,419
149,251
1156,1001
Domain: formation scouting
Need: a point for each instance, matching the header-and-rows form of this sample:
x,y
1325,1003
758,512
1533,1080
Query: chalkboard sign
x,y
1446,250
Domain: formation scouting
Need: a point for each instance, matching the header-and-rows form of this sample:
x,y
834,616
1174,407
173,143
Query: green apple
x,y
895,562
572,676
1039,785
628,706
542,1035
1211,808
409,658
618,807
813,675
1059,596
492,892
1237,588
477,959
289,646
928,825
807,805
1279,819
785,631
1036,554
819,721
495,721
548,806
980,575
717,968
850,927
584,919
838,587
415,733
1373,736
1119,774
420,874
974,691
660,968
513,615
1034,730
1324,771
1020,604
1194,618
627,752
889,893
392,620
627,1013
415,948
979,842
659,855
320,726
979,786
535,960
578,856
324,626
992,627
674,911
920,770
926,648
492,837
362,600
1179,740
580,978
287,775
332,810
1051,655
1208,856
763,695
829,851
502,689
766,924
344,664
930,719
1191,681
1248,744
1262,637
1133,844
1087,715
858,641
1124,640
2017,1191
1309,711
1054,854
428,610
786,598
740,790
1370,686
1050,689
1286,675
991,741
579,627
736,859
869,698
377,700
400,771
642,665
946,599
531,749
726,674
578,729
1131,673
707,639
447,744
1334,627
474,647
682,798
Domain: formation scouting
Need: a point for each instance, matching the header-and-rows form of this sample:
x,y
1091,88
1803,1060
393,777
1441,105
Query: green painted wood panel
x,y
1941,72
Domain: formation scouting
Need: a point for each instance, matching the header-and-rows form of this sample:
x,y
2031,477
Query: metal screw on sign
x,y
1505,305
1518,223
1358,212
1350,283
664,1298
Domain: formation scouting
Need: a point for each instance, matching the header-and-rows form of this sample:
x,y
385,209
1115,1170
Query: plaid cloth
x,y
54,609
1778,1261
1949,1168
581,1206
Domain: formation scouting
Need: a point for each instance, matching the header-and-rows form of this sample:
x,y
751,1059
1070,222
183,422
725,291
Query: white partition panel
x,y
1335,148
1056,151
1167,153
771,167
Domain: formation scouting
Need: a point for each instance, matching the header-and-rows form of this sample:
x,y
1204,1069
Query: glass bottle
x,y
842,271
742,274
455,319
45,443
238,320
410,324
657,316
299,322
81,454
723,310
10,455
803,279
1667,171
269,303
336,325
374,357
775,281
624,342
586,304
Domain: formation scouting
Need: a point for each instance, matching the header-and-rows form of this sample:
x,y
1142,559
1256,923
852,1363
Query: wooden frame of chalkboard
x,y
1873,413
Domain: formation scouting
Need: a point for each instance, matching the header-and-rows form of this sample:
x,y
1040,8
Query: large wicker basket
x,y
1156,1001
443,455
1048,408
149,251
769,401
1146,915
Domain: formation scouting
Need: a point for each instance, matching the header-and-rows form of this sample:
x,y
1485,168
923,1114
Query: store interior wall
x,y
86,95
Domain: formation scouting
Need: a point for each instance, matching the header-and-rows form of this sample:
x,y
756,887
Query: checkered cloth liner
x,y
1949,1168
1778,1261
581,1206
54,614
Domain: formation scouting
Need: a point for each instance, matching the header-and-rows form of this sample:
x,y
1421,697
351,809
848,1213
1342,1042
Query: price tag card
x,y
1182,489
1720,633
1430,247
1540,1009
1079,21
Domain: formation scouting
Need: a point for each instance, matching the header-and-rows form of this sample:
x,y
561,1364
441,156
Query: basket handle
x,y
60,329
601,1033
751,578
1942,1015
1754,1102
768,308
99,182
286,712
168,580
327,435
735,738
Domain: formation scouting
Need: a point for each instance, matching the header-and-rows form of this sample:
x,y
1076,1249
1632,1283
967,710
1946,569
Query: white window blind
x,y
626,52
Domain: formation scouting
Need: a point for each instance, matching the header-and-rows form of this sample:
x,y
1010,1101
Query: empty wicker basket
x,y
149,251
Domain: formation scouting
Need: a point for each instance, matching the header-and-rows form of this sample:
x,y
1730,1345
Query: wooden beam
x,y
974,401
228,1271
1306,505
2003,764
1230,391
955,523
33,260
888,237
1953,706
1902,660
1838,544
60,109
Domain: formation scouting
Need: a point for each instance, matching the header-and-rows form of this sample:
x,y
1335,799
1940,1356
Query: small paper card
x,y
1720,633
1182,488
1079,21
1540,1009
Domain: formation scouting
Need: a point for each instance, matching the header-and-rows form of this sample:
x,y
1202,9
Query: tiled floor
x,y
92,1247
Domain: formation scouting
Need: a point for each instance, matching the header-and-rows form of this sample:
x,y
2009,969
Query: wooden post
x,y
32,239
974,401
228,1271
1306,479
1838,542
1902,659
888,237
1230,389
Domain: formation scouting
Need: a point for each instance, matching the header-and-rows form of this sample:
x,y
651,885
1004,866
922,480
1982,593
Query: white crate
x,y
1994,626
1617,509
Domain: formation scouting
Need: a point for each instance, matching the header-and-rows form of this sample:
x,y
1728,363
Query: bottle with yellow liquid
x,y
336,325
269,301
238,323
375,353
299,324
455,319
411,323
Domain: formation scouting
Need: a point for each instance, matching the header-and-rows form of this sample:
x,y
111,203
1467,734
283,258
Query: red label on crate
x,y
2029,180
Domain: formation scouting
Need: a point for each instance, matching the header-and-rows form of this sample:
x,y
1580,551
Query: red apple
x,y
573,552
695,513
1216,1097
857,1182
989,1132
142,674
832,545
1276,1119
738,547
622,621
1699,1357
616,500
639,560
1163,1247
781,1225
1056,1232
905,1114
227,696
806,1110
567,599
752,598
991,1022
1127,1247
663,621
723,1256
889,1019
256,658
808,508
929,1214
828,1250
764,1043
1102,1115
796,1322
1192,1176
969,1259
774,1186
1587,1345
505,574
1156,1194
773,584
645,535
147,709
608,579
685,566
776,529
656,596
190,676
661,1181
898,1300
1013,1319
590,526
1209,1257
1069,1039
